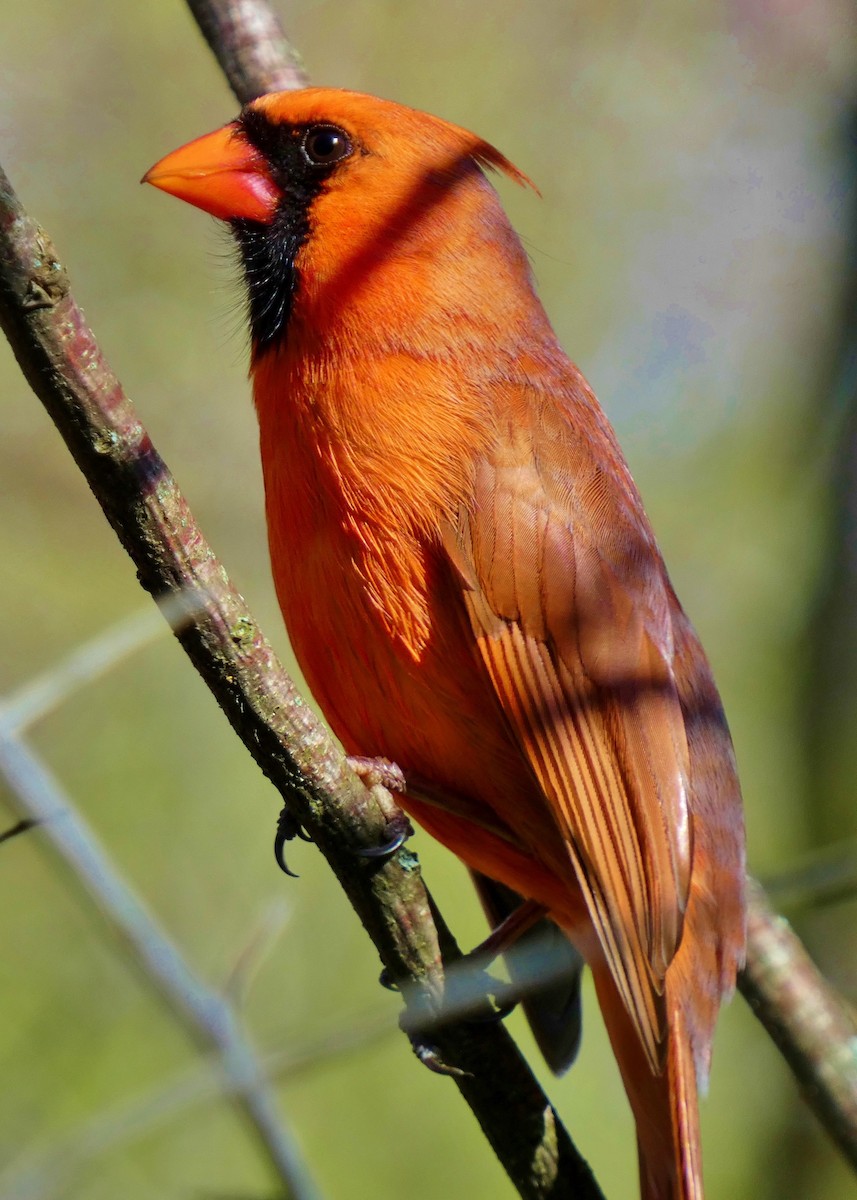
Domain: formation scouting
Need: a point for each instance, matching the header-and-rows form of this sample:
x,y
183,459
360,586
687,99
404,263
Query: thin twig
x,y
827,876
48,1172
207,1017
45,692
258,946
15,830
808,1020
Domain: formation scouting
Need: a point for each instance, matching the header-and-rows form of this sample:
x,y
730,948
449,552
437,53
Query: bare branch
x,y
249,43
47,691
808,1020
827,876
51,1170
258,946
207,1016
18,828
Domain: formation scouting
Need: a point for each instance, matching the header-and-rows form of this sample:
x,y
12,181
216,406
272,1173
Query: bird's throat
x,y
268,259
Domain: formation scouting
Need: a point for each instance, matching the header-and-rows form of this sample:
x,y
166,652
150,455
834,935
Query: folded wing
x,y
570,606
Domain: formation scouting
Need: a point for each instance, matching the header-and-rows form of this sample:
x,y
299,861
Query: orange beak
x,y
221,174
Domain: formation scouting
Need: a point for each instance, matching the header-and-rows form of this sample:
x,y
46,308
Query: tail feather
x,y
684,1111
664,1105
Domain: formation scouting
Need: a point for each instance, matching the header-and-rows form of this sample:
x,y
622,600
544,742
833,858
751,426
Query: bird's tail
x,y
664,1105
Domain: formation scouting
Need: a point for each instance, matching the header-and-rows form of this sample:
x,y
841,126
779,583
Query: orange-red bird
x,y
469,579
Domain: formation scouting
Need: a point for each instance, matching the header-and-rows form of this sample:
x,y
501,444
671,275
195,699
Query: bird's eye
x,y
325,144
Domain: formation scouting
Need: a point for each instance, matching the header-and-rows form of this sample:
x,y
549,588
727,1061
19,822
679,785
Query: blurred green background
x,y
693,244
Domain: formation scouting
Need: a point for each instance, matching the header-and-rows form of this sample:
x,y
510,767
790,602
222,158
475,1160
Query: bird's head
x,y
324,185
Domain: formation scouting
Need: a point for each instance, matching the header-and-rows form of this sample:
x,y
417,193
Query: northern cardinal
x,y
468,576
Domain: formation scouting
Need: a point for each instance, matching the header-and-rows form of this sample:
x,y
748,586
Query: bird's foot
x,y
430,1056
378,772
467,1000
470,990
381,773
399,830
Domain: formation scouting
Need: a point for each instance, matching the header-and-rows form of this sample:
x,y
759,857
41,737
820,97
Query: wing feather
x,y
570,607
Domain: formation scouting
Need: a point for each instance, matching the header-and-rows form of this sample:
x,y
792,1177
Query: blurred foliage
x,y
691,246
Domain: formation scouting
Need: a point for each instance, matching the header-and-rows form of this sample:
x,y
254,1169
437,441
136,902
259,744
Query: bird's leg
x,y
471,995
466,998
381,773
514,923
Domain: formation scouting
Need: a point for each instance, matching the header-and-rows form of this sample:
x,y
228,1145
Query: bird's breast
x,y
378,625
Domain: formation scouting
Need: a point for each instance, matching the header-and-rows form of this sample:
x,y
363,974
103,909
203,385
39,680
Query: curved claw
x,y
387,981
430,1057
279,844
287,828
388,848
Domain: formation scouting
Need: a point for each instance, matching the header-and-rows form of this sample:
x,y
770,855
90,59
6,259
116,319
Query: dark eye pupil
x,y
326,145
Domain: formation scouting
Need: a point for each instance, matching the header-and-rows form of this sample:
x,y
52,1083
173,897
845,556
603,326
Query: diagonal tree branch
x,y
811,1025
248,41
